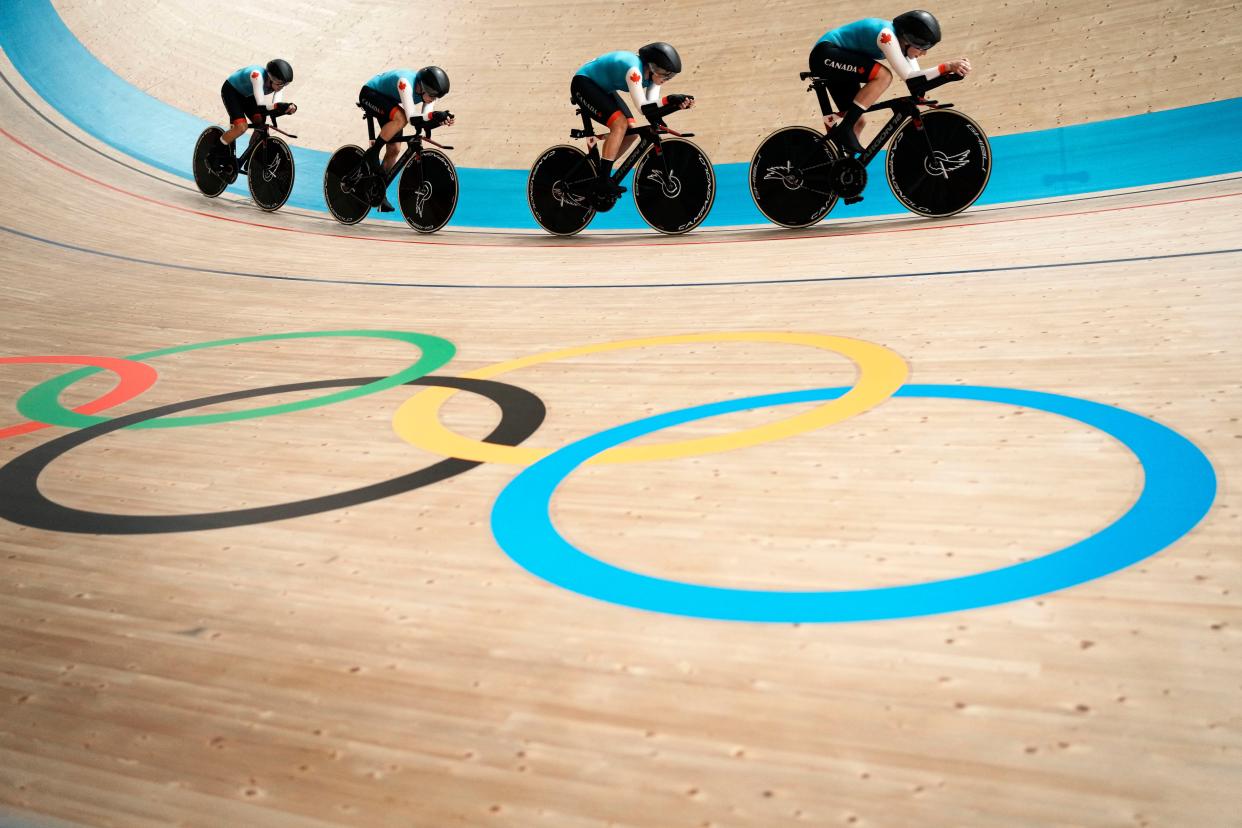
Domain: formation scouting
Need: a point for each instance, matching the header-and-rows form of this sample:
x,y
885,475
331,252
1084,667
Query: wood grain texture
x,y
388,665
1038,65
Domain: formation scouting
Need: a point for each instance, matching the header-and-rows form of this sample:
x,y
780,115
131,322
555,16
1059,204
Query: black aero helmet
x,y
918,28
280,70
662,56
434,81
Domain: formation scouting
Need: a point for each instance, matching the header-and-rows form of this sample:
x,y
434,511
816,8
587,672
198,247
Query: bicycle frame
x,y
265,128
413,147
904,107
649,141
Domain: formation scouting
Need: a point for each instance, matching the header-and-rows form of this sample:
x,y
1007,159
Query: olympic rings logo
x,y
1178,491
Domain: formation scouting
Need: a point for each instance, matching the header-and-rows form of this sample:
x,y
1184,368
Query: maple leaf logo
x,y
886,38
401,85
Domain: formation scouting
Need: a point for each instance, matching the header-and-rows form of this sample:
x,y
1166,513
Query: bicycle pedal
x,y
853,200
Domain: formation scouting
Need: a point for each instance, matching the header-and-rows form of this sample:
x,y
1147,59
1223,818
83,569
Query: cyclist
x,y
847,57
390,97
250,92
596,87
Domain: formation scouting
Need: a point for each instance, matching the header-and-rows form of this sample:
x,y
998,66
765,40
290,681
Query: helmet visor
x,y
918,40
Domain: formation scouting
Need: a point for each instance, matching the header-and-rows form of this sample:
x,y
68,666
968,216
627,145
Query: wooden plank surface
x,y
387,664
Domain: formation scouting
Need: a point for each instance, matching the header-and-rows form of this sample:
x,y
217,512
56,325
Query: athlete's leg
x,y
234,132
397,121
391,130
237,106
880,79
615,143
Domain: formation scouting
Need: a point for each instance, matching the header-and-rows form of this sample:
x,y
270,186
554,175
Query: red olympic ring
x,y
136,377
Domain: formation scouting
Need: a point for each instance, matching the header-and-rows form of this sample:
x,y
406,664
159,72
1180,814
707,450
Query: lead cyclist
x,y
848,58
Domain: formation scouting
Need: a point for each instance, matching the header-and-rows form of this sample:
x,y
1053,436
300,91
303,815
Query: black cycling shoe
x,y
846,139
384,205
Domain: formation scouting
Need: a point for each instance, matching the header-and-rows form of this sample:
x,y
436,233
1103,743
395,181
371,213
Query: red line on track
x,y
594,245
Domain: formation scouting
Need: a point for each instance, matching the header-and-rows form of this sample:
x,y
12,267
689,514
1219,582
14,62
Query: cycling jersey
x,y
399,85
876,39
252,82
620,71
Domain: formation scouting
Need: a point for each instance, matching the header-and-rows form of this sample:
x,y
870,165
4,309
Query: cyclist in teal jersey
x,y
596,86
390,97
249,93
848,59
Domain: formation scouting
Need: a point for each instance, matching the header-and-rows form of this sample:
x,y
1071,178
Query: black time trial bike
x,y
426,195
674,183
267,164
938,162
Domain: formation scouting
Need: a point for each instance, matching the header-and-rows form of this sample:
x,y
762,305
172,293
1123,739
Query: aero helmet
x,y
662,56
918,28
434,81
280,70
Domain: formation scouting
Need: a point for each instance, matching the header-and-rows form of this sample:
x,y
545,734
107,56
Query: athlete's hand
x,y
681,101
959,66
439,119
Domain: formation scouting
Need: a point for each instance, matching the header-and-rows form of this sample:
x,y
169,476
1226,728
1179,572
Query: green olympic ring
x,y
42,403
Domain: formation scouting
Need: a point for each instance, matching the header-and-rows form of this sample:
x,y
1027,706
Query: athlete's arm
x,y
256,86
903,67
641,96
406,87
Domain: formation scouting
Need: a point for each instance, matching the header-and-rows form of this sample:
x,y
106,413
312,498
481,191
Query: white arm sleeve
x,y
256,85
641,96
903,67
406,87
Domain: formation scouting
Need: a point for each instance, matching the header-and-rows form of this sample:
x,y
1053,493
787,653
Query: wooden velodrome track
x,y
386,662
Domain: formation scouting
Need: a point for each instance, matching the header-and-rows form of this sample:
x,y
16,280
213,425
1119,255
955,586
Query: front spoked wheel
x,y
270,173
558,190
941,169
207,173
347,185
428,191
675,188
791,177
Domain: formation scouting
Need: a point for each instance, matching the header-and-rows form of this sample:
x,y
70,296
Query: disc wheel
x,y
556,192
347,186
675,188
941,169
427,191
791,177
270,173
209,182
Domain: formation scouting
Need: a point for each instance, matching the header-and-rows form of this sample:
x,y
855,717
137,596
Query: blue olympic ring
x,y
1179,488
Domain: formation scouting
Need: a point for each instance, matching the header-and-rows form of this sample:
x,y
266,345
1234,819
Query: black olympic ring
x,y
21,501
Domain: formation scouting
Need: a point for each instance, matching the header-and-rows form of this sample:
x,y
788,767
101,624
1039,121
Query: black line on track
x,y
738,283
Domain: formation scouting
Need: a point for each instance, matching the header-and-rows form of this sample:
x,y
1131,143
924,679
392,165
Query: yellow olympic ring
x,y
881,372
